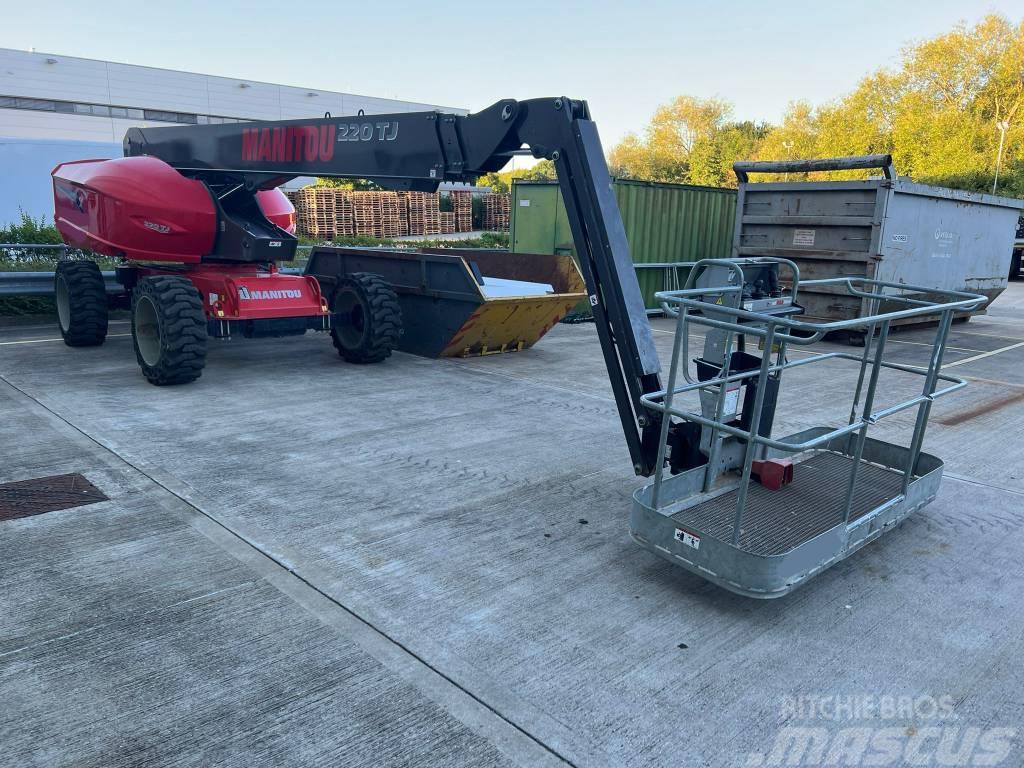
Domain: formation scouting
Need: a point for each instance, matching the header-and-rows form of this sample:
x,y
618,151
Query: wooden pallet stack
x,y
424,215
431,213
314,211
390,214
462,207
403,212
367,214
496,211
345,224
328,212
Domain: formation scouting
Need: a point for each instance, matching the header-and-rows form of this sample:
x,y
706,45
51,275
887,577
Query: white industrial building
x,y
57,108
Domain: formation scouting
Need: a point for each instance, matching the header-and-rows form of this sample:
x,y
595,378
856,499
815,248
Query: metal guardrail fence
x,y
41,283
33,283
35,247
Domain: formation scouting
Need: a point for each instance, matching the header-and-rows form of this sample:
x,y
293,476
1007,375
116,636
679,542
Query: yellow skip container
x,y
463,302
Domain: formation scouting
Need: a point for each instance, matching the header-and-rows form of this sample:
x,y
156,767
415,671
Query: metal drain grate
x,y
26,498
777,521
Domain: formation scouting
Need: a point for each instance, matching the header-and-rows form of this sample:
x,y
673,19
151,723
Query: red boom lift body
x,y
141,209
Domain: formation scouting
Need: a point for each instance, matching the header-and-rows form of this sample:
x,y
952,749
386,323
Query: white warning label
x,y
803,237
732,401
689,539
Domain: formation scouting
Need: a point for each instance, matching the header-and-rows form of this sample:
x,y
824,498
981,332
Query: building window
x,y
163,117
169,117
40,104
104,110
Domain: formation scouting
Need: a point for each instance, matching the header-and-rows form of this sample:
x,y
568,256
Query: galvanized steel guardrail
x,y
34,283
41,283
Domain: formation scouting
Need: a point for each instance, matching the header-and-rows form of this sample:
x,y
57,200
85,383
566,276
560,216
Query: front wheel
x,y
367,318
168,330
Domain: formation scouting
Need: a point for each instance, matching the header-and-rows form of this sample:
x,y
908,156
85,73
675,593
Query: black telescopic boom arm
x,y
419,150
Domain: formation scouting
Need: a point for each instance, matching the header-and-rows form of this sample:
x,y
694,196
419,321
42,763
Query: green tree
x,y
689,140
501,181
937,112
358,184
30,230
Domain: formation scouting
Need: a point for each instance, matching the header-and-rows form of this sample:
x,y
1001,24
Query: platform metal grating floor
x,y
39,495
775,522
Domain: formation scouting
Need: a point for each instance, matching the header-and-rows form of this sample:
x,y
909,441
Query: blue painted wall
x,y
25,166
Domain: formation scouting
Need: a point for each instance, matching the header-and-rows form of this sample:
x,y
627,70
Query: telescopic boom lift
x,y
206,199
165,172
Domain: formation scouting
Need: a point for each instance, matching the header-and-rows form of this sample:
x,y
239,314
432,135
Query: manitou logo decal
x,y
309,143
255,295
293,143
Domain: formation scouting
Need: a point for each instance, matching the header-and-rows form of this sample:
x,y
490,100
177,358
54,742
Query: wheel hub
x,y
63,303
147,330
350,317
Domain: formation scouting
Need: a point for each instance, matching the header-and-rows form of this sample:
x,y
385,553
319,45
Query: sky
x,y
625,58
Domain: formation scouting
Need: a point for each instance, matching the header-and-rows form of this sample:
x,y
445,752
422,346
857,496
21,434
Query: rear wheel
x,y
367,318
168,330
81,299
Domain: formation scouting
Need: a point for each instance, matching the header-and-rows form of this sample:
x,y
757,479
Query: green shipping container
x,y
664,223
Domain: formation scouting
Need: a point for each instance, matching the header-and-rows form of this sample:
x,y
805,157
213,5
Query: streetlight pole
x,y
1002,125
788,146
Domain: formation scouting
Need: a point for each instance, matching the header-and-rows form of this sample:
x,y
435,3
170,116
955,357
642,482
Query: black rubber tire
x,y
81,299
168,330
368,319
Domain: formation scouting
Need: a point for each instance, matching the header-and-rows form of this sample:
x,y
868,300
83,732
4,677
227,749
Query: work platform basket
x,y
847,488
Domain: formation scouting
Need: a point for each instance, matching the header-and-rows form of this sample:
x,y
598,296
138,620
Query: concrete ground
x,y
426,563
